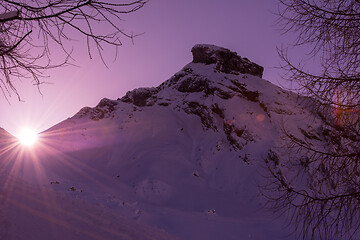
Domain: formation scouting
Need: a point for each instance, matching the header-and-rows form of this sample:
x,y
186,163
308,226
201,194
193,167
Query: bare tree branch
x,y
318,186
29,29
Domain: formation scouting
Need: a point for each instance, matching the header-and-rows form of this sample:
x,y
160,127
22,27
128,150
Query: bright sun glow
x,y
27,137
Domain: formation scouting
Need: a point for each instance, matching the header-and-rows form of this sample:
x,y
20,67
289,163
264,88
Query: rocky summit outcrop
x,y
188,81
226,61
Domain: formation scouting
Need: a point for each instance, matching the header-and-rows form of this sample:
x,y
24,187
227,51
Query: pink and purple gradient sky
x,y
171,28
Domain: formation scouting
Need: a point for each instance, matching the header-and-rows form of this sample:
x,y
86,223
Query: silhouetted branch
x,y
29,28
317,184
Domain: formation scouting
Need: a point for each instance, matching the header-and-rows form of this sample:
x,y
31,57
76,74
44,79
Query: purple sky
x,y
171,28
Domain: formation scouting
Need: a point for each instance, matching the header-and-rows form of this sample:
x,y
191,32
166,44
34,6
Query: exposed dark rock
x,y
104,109
164,104
241,88
225,60
217,110
251,95
140,97
203,112
228,129
97,114
193,84
237,137
83,112
223,94
173,80
107,103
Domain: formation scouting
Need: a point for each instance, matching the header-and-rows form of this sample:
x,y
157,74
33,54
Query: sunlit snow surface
x,y
166,170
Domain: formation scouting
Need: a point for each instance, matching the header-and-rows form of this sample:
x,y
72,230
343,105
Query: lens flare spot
x,y
27,137
260,117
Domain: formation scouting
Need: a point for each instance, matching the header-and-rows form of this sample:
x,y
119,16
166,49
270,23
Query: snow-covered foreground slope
x,y
35,212
184,158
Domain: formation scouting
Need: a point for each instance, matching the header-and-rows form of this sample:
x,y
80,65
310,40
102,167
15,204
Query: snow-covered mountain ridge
x,y
212,95
184,157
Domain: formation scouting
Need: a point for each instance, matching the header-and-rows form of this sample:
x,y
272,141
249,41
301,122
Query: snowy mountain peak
x,y
221,90
213,71
226,61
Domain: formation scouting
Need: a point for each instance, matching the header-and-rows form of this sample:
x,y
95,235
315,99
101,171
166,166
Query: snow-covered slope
x,y
5,137
184,157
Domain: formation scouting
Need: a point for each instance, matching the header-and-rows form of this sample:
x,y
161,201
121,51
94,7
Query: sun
x,y
27,137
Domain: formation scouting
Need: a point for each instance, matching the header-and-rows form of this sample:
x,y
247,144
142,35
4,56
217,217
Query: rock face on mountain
x,y
225,60
188,81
